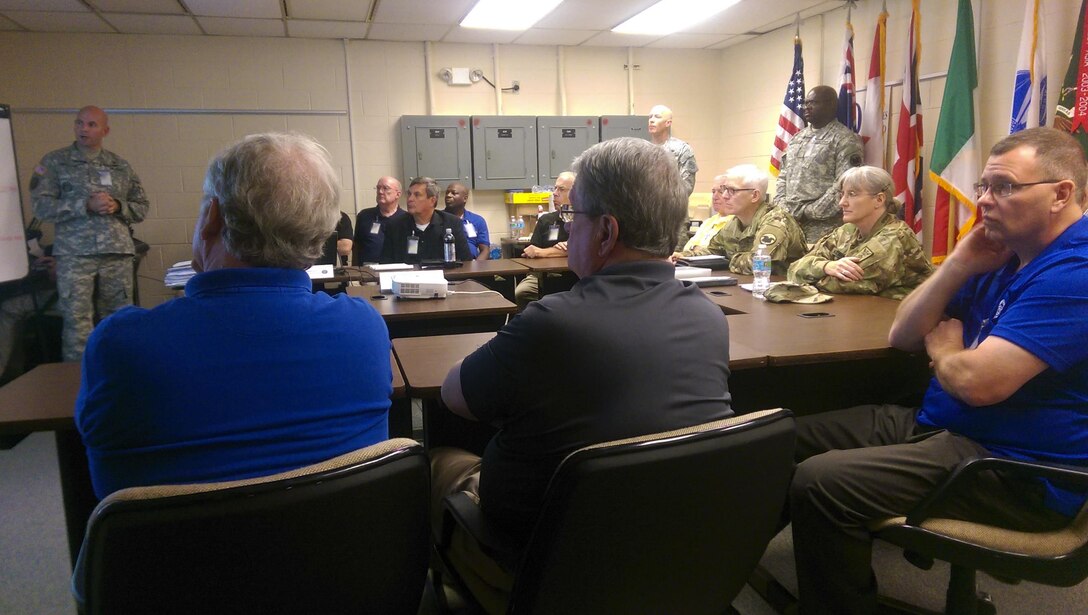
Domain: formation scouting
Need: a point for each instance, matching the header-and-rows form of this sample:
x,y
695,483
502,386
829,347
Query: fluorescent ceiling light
x,y
668,16
508,14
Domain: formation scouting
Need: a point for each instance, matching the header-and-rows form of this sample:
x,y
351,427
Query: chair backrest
x,y
346,535
667,523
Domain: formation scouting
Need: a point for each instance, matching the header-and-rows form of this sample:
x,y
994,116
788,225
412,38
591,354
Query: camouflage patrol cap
x,y
788,292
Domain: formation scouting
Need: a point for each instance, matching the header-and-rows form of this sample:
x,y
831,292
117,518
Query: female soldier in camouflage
x,y
873,253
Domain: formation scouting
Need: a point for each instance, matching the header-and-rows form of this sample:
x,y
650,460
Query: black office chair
x,y
1058,558
347,535
672,522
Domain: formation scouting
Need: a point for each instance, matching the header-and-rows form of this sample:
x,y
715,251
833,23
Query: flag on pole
x,y
907,168
1029,87
791,119
873,128
1071,113
955,148
848,109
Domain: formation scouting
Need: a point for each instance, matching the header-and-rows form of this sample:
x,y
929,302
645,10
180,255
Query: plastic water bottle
x,y
449,249
513,227
761,271
521,225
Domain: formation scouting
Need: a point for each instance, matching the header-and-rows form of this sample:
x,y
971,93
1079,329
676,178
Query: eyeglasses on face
x,y
853,194
567,213
1005,189
381,188
729,190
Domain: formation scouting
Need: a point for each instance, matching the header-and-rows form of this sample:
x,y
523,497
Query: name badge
x,y
375,228
413,245
104,178
553,232
470,230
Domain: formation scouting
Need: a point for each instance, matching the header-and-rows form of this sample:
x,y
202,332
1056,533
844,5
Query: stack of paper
x,y
179,274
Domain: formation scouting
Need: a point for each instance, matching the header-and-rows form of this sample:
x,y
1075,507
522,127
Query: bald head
x,y
660,124
91,126
561,193
387,194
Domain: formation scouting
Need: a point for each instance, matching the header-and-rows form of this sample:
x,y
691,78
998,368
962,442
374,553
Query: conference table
x,y
44,399
470,307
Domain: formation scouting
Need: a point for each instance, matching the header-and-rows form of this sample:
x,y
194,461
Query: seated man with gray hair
x,y
601,359
248,374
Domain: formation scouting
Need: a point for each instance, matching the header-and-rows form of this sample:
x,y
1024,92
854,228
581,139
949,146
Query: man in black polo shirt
x,y
370,224
549,239
418,236
611,358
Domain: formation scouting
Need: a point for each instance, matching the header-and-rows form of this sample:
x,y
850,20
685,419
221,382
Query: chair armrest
x,y
462,511
967,470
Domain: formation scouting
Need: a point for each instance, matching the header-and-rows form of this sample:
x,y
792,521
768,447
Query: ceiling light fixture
x,y
508,14
668,16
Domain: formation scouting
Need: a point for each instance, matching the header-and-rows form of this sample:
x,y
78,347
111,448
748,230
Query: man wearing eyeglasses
x,y
709,227
371,223
549,239
755,222
600,358
1003,322
814,160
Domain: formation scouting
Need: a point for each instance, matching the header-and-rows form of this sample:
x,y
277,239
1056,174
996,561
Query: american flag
x,y
791,119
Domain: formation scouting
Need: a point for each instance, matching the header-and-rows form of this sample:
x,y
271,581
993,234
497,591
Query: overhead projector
x,y
419,285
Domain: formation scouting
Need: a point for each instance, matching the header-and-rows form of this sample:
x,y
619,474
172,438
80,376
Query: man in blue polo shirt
x,y
250,373
1003,322
479,242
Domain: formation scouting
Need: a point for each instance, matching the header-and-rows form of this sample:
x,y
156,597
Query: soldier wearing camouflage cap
x,y
874,253
92,196
755,222
815,158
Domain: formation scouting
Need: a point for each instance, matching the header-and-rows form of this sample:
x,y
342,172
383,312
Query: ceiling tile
x,y
74,6
231,26
422,11
335,10
733,40
457,34
684,40
407,32
58,22
593,14
258,9
612,39
542,36
152,24
161,7
301,28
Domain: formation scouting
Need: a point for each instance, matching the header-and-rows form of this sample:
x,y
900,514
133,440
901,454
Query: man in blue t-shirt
x,y
479,242
1003,323
250,373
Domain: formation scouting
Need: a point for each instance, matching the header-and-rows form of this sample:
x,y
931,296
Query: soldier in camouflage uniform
x,y
660,129
816,157
92,196
754,220
874,253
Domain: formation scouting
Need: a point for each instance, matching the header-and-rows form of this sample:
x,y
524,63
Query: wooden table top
x,y
554,264
426,360
476,269
44,399
488,303
855,326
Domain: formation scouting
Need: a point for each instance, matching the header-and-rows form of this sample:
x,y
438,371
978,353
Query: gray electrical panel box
x,y
436,146
504,151
559,141
613,126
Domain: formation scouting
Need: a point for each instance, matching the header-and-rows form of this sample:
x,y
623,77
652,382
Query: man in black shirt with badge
x,y
418,236
549,239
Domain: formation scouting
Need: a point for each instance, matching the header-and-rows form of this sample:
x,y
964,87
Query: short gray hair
x,y
639,184
428,184
873,180
279,196
751,176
